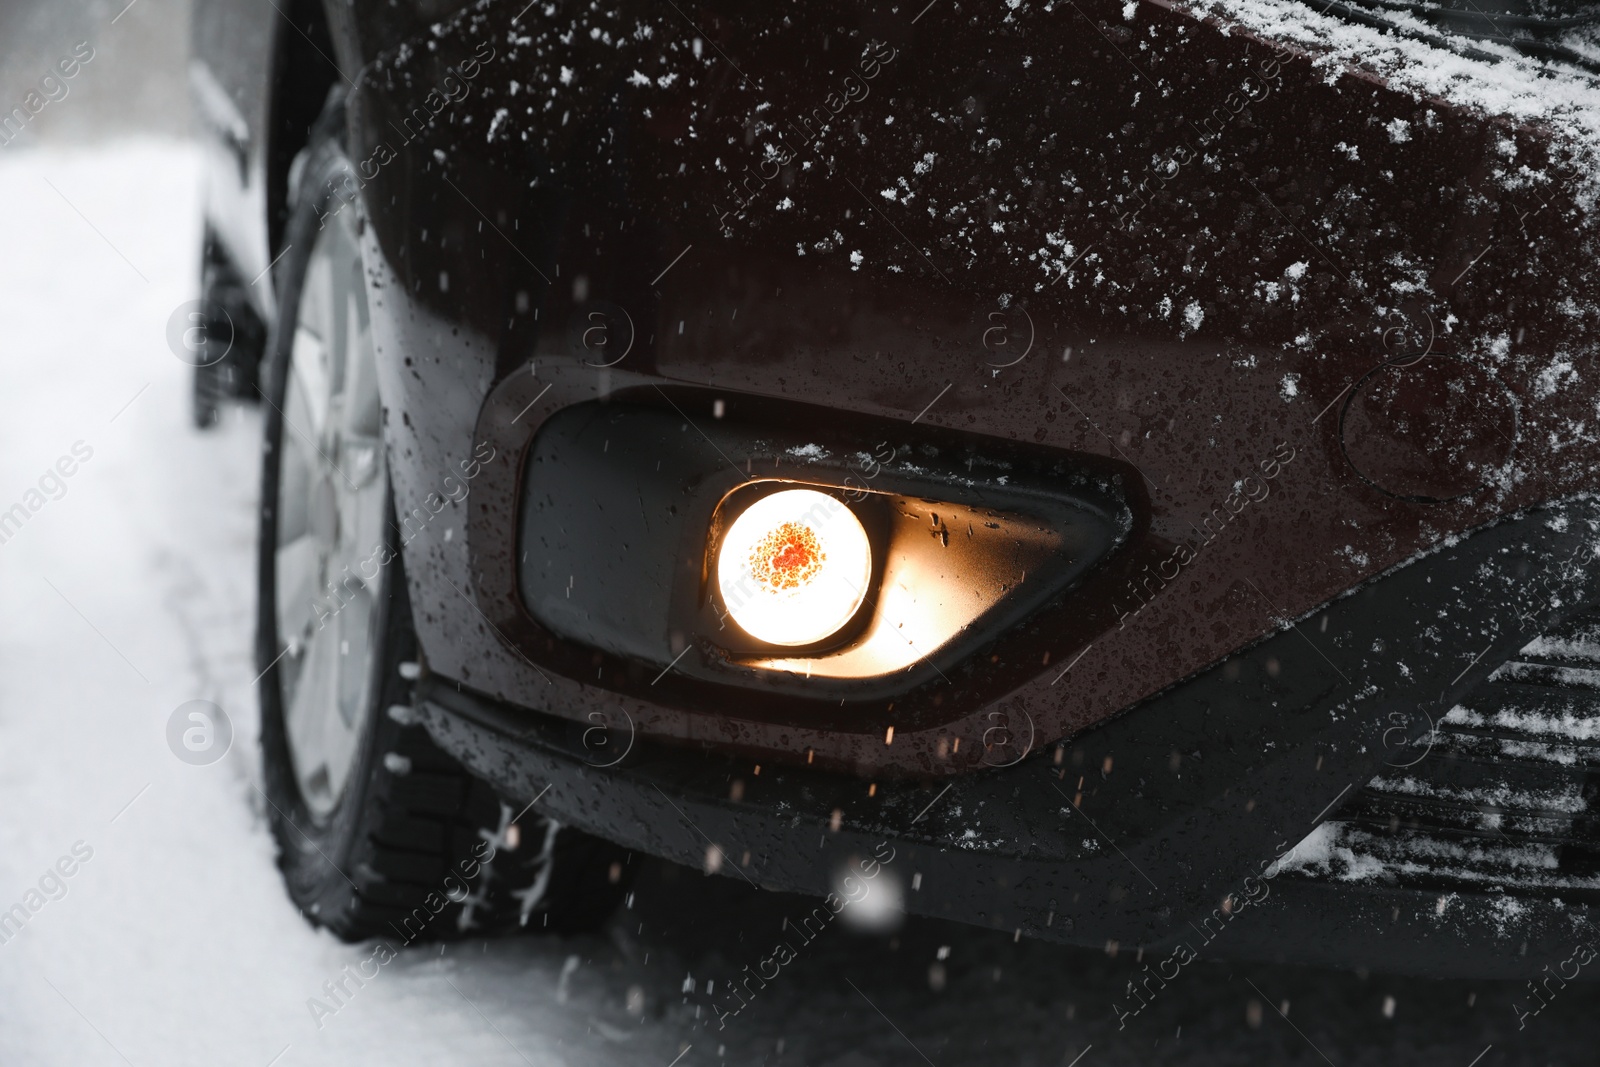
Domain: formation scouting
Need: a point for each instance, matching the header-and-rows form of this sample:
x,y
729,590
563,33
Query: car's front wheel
x,y
379,831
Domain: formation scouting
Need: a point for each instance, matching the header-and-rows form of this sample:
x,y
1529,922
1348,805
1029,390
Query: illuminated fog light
x,y
793,567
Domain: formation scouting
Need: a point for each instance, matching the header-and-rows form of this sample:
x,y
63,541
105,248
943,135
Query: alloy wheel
x,y
331,509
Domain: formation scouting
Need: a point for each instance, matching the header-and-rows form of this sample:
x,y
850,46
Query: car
x,y
1113,473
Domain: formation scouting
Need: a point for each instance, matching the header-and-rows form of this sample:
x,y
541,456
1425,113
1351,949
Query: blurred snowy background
x,y
140,82
172,942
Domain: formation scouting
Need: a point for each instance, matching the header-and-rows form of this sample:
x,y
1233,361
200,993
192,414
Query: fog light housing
x,y
794,567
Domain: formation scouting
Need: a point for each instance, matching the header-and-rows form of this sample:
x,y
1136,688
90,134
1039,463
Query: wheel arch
x,y
306,67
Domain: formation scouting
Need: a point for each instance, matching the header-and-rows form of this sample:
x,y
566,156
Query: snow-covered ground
x,y
128,593
124,598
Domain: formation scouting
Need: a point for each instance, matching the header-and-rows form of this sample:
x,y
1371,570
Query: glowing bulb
x,y
794,567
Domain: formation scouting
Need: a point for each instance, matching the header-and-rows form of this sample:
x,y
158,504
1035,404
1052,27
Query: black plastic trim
x,y
1183,798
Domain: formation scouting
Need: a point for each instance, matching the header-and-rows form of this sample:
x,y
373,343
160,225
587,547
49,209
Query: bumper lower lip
x,y
1400,931
1267,743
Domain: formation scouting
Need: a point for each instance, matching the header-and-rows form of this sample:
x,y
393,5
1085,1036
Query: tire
x,y
379,831
229,369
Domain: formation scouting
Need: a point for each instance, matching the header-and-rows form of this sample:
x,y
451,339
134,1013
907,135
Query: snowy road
x,y
128,592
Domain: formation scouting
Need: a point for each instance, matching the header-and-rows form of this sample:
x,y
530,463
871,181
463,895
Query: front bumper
x,y
1138,830
1199,336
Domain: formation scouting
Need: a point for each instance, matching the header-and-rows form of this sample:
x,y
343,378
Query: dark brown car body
x,y
1324,338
